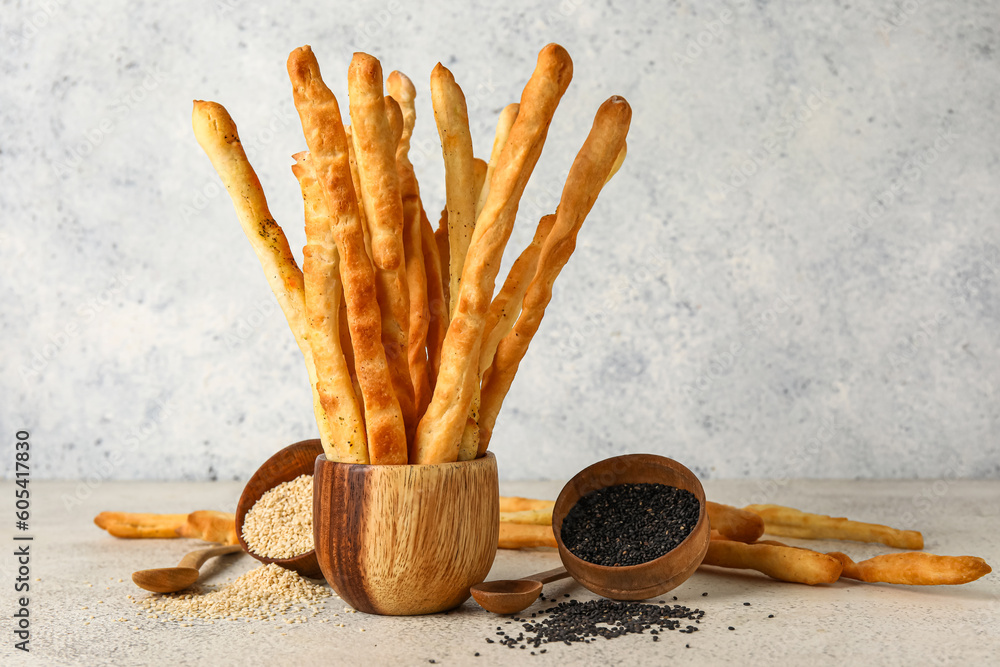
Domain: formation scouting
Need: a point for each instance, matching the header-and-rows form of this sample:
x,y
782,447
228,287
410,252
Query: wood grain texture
x,y
286,465
646,580
406,540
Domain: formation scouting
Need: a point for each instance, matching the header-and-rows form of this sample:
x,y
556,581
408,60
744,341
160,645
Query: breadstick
x,y
734,524
790,522
356,180
618,162
437,303
519,504
138,526
441,239
507,304
783,563
914,568
324,132
586,178
321,270
211,526
375,150
452,119
440,431
479,168
402,90
504,123
539,517
524,536
217,135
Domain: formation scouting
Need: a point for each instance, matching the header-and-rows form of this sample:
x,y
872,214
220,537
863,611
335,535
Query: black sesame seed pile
x,y
629,524
575,622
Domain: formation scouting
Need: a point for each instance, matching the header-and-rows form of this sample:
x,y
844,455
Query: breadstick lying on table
x,y
375,151
733,523
328,148
587,177
525,536
439,433
519,504
208,525
914,569
216,134
789,522
800,566
321,269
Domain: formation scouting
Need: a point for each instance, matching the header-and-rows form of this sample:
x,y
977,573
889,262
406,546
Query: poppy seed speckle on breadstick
x,y
217,135
587,176
328,147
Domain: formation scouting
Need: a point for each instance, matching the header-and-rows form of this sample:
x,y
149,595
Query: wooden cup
x,y
655,577
402,540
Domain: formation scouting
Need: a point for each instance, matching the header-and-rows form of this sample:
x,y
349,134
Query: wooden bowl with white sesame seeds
x,y
285,466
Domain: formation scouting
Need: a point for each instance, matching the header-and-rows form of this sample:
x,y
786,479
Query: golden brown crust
x,y
504,123
586,178
324,132
437,302
914,569
800,566
734,523
321,270
401,89
440,431
790,522
506,304
375,151
217,135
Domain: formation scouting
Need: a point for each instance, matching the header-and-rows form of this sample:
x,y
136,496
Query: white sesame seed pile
x,y
280,524
262,594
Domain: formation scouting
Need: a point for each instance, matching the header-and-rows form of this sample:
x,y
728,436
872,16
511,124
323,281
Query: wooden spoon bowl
x,y
286,465
655,577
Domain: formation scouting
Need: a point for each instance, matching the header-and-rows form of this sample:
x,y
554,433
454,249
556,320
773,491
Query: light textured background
x,y
832,310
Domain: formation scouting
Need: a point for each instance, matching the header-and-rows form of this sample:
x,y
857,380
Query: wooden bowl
x,y
655,577
286,465
401,540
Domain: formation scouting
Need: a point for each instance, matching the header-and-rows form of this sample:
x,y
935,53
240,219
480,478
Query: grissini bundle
x,y
439,432
375,151
437,300
504,123
217,135
321,271
327,141
587,176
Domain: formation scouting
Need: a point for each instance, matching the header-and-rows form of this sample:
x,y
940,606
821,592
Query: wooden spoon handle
x,y
549,575
196,559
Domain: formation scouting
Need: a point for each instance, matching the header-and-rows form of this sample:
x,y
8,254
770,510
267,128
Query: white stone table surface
x,y
846,623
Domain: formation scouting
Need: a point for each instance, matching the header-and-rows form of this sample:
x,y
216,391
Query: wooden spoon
x,y
173,579
509,596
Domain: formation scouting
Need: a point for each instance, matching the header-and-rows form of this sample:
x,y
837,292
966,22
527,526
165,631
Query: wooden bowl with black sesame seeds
x,y
286,465
650,578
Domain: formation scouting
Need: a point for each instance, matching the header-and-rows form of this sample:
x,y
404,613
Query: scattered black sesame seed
x,y
675,598
746,604
731,627
770,615
629,524
685,646
704,595
476,654
575,622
